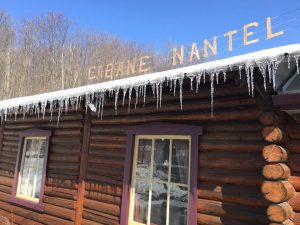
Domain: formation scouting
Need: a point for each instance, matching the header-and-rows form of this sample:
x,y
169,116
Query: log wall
x,y
293,145
230,163
62,169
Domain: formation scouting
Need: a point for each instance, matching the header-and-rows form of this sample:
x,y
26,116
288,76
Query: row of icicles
x,y
97,100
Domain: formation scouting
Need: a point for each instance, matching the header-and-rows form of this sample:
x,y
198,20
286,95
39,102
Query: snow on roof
x,y
265,60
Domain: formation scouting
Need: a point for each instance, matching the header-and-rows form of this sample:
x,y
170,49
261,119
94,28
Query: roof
x,y
264,60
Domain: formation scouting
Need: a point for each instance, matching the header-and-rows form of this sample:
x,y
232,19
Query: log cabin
x,y
212,144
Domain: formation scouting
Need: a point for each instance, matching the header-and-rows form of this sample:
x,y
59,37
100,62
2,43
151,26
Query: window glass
x,y
31,168
161,180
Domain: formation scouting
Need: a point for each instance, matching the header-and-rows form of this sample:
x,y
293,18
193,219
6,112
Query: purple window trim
x,y
39,206
158,128
287,102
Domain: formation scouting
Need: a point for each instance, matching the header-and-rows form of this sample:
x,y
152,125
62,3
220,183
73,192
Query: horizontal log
x,y
59,212
294,162
102,219
205,115
232,193
293,130
105,179
227,160
64,149
232,126
35,118
295,180
275,153
49,125
104,153
280,212
9,218
107,145
277,191
104,188
295,202
274,134
62,202
103,197
63,166
220,91
59,182
58,174
109,209
106,161
245,179
271,118
232,211
232,146
231,136
52,191
5,189
287,222
74,158
204,219
109,170
7,181
276,171
67,141
188,105
107,137
296,218
41,218
294,146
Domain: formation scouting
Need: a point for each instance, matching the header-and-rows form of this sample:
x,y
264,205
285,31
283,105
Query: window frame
x,y
23,201
161,128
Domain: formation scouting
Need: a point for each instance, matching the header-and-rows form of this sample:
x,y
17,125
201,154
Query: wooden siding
x,y
294,164
230,159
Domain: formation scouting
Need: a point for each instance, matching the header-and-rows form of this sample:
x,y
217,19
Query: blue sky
x,y
158,22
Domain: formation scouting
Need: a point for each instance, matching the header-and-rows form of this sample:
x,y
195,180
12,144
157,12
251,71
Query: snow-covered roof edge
x,y
265,60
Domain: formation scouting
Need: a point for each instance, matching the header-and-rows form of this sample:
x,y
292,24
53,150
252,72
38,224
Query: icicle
x,y
50,109
66,105
136,96
174,86
212,90
198,81
180,91
116,100
274,70
252,79
43,106
297,63
289,61
171,82
124,95
145,92
262,69
217,77
129,98
268,64
191,79
240,71
204,74
153,89
225,75
157,95
248,78
160,94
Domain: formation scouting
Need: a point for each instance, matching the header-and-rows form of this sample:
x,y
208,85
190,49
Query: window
x,y
160,179
30,169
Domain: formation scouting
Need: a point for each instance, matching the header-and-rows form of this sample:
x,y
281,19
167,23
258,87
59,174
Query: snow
x,y
265,60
